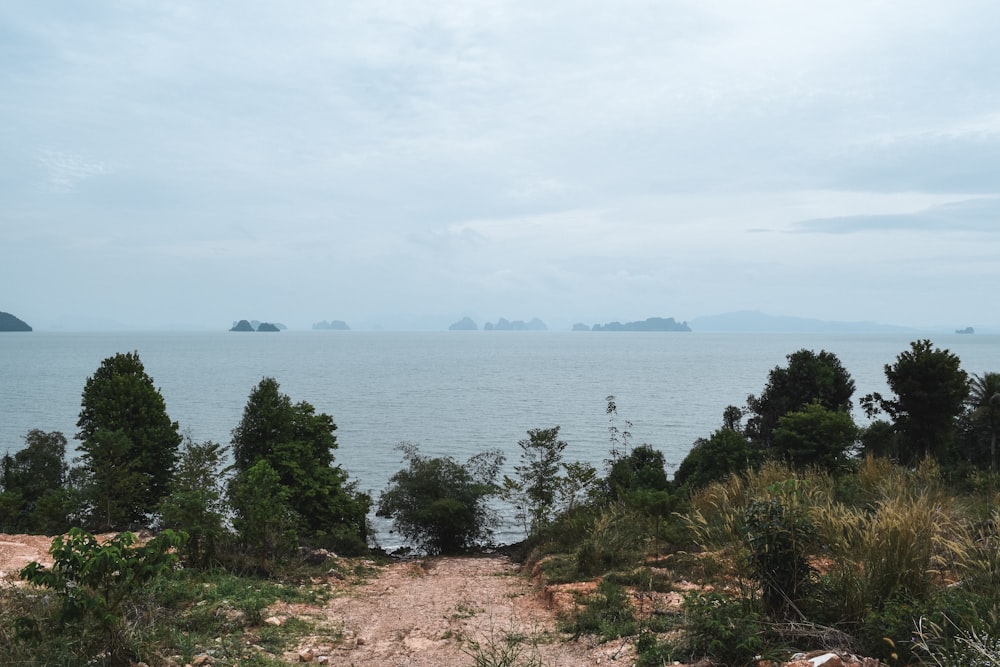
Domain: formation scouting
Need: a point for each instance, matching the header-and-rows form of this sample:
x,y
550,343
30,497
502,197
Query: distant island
x,y
10,323
464,324
649,324
966,330
332,325
255,325
517,325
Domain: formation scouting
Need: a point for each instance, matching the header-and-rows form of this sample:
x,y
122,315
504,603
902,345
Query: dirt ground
x,y
428,613
16,551
420,613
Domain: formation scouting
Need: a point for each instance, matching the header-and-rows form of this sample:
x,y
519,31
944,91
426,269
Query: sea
x,y
449,393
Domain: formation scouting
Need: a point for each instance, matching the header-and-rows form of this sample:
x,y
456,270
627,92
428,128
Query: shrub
x,y
195,503
94,582
441,505
263,520
725,629
725,453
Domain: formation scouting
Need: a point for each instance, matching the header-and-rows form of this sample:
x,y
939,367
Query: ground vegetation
x,y
878,540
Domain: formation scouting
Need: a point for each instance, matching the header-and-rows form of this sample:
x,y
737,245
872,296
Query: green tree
x,y
120,401
298,443
815,436
196,502
440,505
641,470
809,377
110,484
984,409
33,485
536,489
262,514
726,452
930,391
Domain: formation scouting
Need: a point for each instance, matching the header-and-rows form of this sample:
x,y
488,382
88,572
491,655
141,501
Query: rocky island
x,y
649,324
9,322
517,325
254,325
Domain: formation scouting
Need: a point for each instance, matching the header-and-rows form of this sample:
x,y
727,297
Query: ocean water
x,y
450,393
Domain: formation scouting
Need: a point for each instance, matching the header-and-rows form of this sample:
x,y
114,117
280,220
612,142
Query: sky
x,y
403,164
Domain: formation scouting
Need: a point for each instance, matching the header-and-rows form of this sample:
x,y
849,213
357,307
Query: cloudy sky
x,y
403,164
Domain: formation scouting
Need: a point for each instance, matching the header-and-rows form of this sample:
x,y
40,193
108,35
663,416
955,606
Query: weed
x,y
510,648
608,614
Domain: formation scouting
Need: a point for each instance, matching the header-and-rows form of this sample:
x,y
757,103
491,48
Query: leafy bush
x,y
94,582
195,503
440,505
263,520
727,452
725,629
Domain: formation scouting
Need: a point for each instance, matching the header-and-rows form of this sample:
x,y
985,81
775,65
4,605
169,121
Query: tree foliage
x,y
536,490
983,406
724,453
815,436
196,501
439,505
930,391
128,442
263,517
33,495
297,443
809,377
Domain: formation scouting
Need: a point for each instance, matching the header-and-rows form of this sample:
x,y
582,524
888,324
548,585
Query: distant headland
x,y
649,324
10,323
256,325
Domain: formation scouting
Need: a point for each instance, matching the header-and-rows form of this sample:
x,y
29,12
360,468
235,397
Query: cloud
x,y
64,172
973,215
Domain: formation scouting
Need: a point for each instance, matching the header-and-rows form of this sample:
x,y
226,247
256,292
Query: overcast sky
x,y
189,163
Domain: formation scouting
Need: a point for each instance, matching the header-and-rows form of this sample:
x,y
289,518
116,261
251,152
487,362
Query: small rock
x,y
322,659
202,659
306,655
272,620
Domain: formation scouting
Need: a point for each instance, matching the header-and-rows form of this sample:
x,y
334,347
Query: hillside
x,y
10,323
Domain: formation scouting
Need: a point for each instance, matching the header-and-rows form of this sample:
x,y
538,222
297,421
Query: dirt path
x,y
426,613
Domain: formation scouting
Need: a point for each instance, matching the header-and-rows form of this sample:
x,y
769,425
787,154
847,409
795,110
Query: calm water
x,y
454,393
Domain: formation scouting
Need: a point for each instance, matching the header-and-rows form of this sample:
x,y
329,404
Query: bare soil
x,y
433,613
418,613
16,551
